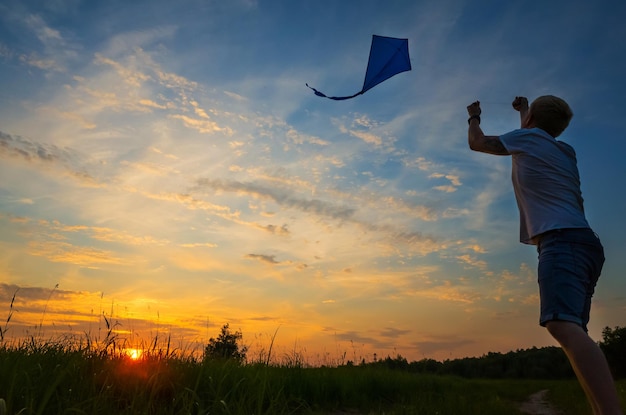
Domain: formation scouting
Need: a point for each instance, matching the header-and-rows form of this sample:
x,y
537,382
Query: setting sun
x,y
134,354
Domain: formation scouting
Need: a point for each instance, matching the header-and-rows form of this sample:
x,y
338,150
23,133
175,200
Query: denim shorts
x,y
570,262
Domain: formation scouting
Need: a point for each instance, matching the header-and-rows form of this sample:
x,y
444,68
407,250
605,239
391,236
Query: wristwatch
x,y
472,117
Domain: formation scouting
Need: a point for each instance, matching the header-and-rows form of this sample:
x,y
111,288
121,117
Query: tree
x,y
613,345
227,346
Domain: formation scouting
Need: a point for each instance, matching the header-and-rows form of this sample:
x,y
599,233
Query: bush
x,y
613,345
226,346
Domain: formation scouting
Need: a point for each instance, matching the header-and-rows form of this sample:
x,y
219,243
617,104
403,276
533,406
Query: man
x,y
547,189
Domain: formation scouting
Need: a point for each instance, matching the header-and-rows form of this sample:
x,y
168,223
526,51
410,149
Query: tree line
x,y
534,363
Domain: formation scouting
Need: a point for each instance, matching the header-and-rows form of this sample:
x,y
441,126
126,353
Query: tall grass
x,y
9,316
68,378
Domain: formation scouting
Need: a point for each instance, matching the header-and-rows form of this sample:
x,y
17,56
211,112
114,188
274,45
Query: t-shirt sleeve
x,y
514,141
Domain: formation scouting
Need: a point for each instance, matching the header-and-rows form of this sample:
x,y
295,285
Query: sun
x,y
134,354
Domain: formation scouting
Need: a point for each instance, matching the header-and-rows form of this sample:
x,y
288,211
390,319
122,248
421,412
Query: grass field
x,y
63,378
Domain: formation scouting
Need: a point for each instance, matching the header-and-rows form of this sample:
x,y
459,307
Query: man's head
x,y
550,113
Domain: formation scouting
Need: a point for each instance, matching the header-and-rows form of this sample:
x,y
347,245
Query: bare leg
x,y
590,366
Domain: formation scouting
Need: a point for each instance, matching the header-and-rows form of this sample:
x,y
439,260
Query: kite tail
x,y
318,93
321,94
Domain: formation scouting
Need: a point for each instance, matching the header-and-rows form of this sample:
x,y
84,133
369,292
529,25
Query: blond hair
x,y
551,114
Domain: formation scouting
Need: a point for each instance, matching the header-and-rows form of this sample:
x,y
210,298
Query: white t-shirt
x,y
546,183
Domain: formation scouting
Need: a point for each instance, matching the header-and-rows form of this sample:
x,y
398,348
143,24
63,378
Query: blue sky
x,y
166,166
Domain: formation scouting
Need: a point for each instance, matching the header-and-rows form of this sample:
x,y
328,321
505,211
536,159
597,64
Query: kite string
x,y
495,102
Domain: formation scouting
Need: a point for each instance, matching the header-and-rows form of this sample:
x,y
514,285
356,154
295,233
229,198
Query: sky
x,y
165,171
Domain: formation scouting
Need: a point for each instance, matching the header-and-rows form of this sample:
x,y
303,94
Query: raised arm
x,y
476,139
521,104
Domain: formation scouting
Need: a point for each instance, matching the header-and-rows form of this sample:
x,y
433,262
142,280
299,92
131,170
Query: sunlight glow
x,y
133,354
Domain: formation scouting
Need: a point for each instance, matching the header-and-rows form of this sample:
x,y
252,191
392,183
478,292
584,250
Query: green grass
x,y
57,378
566,395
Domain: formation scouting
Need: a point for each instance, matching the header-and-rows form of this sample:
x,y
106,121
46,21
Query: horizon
x,y
113,337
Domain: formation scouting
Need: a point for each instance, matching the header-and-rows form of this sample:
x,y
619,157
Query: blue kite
x,y
389,56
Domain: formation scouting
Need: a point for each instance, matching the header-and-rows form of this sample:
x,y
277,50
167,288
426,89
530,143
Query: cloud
x,y
454,182
271,260
368,137
169,156
374,133
85,313
475,247
222,211
421,163
5,51
364,121
18,147
172,80
353,336
472,261
45,157
448,291
124,42
276,230
191,259
49,64
394,333
441,344
280,196
199,245
301,138
268,259
31,294
390,237
107,234
129,79
152,104
74,117
44,33
57,251
202,125
54,241
56,51
152,168
235,96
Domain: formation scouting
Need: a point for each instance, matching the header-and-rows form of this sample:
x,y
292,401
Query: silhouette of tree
x,y
226,347
613,345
